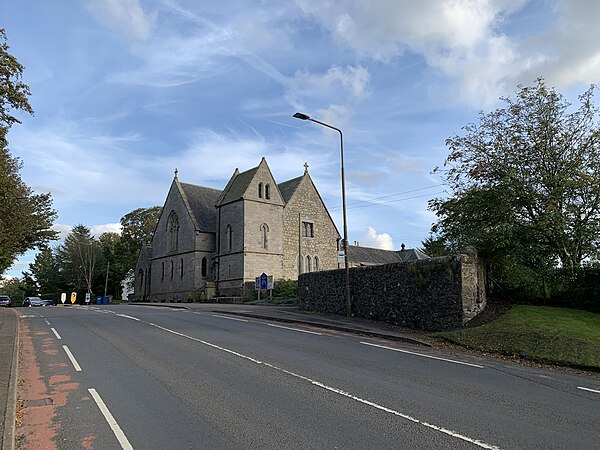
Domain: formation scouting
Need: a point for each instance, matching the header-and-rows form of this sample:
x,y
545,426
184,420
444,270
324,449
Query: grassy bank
x,y
546,334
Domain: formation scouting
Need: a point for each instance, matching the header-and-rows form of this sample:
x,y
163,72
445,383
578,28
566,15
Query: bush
x,y
285,289
579,289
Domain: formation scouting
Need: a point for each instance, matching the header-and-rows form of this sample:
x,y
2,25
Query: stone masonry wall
x,y
306,206
433,294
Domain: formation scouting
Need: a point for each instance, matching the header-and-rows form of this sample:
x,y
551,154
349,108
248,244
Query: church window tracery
x,y
307,229
264,233
260,190
267,192
229,237
204,264
172,232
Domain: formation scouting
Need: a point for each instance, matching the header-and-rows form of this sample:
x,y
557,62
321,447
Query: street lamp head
x,y
301,116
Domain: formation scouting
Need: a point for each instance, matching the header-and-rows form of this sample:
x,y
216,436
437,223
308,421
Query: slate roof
x,y
287,188
238,186
202,202
368,256
373,256
411,254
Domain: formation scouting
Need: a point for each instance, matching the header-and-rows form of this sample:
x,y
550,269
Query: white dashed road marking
x,y
56,333
72,358
114,426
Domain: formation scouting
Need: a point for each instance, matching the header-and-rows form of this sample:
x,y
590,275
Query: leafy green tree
x,y
15,289
44,271
525,184
436,246
26,219
138,229
107,274
14,94
77,257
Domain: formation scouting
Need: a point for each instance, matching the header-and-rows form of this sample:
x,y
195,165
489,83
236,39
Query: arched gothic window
x,y
308,264
171,269
260,190
203,272
181,269
264,233
162,276
229,237
172,232
267,192
316,263
141,277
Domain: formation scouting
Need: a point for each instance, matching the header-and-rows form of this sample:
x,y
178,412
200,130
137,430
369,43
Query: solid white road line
x,y
230,318
72,358
112,423
424,356
588,389
56,333
128,317
293,329
338,391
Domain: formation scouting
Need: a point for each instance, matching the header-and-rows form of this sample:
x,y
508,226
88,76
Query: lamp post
x,y
301,116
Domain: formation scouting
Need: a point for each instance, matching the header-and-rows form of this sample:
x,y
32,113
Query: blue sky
x,y
125,91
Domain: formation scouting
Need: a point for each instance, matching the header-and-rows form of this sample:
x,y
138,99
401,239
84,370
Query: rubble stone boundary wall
x,y
432,294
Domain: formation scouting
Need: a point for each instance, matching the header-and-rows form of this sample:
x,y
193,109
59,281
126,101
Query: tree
x,y
77,258
44,271
108,276
14,93
138,229
525,183
26,217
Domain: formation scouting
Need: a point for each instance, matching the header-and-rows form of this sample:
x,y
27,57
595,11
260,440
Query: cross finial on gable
x,y
305,167
176,172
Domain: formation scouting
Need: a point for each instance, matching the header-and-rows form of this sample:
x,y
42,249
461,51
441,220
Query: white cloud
x,y
459,38
63,230
377,240
98,230
352,79
124,16
569,47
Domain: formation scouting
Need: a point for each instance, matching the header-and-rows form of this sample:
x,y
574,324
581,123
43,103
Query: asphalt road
x,y
157,378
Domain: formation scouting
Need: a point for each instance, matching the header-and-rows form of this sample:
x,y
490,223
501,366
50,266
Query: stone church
x,y
210,242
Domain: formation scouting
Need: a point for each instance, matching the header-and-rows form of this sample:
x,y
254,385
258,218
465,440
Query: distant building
x,y
366,256
209,241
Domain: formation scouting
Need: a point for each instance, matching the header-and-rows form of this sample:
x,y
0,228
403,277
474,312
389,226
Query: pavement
x,y
9,338
9,350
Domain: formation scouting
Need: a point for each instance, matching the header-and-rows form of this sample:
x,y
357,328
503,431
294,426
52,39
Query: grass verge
x,y
558,336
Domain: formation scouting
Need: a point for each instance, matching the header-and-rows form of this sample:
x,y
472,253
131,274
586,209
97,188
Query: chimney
x,y
357,244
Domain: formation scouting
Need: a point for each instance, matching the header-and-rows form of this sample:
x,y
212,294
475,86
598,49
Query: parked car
x,y
33,301
48,302
5,300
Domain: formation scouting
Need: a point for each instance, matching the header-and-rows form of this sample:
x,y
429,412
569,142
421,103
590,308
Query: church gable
x,y
305,196
311,238
176,228
255,184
